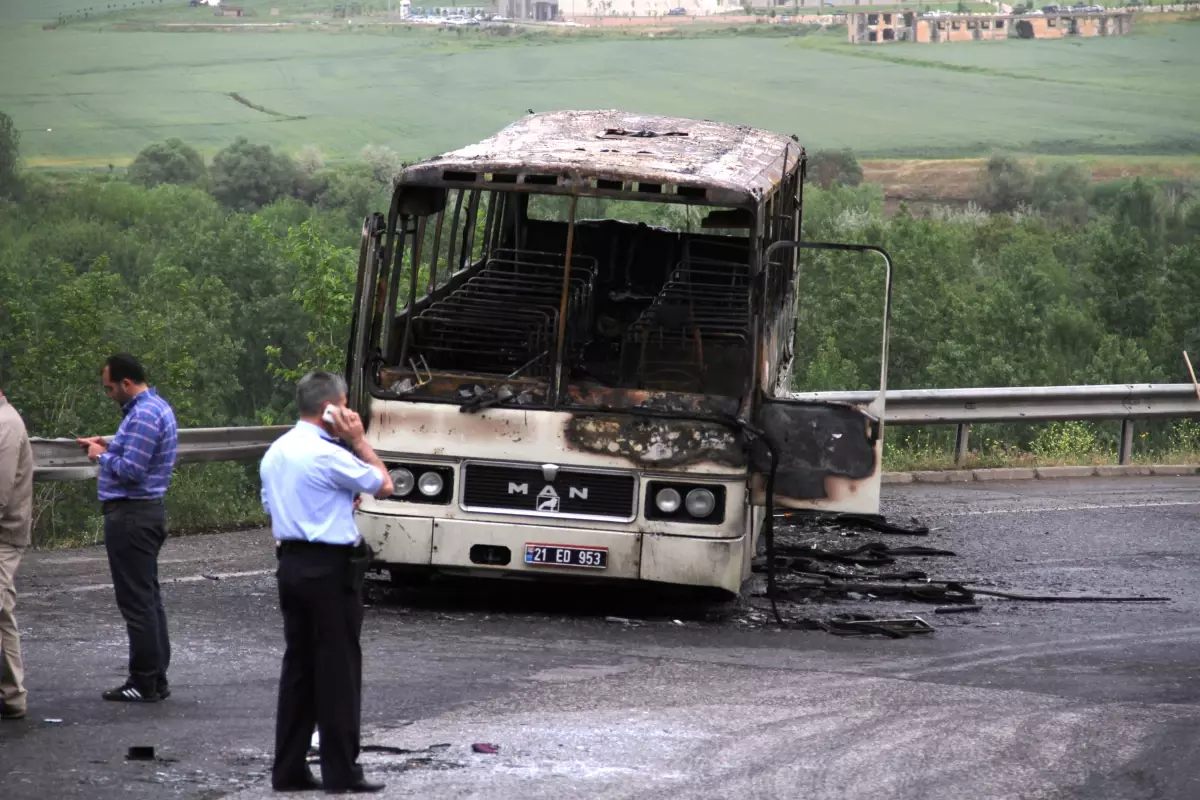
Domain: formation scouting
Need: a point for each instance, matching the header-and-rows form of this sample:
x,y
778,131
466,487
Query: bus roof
x,y
621,153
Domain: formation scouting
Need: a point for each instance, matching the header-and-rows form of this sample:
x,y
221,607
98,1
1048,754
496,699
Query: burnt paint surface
x,y
451,387
649,442
816,442
672,402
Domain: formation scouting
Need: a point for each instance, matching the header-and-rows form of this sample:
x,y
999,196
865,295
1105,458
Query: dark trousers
x,y
134,533
321,682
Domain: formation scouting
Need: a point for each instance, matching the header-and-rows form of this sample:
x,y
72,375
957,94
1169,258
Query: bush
x,y
1062,192
10,154
827,166
383,161
171,161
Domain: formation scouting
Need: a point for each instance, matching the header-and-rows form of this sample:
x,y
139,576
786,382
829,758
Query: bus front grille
x,y
549,491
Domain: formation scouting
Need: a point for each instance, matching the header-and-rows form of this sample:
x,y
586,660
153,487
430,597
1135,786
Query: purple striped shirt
x,y
138,463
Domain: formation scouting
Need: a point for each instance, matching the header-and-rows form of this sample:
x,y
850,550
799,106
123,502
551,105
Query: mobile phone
x,y
331,416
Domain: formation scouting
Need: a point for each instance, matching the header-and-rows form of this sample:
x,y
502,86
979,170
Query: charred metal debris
x,y
807,571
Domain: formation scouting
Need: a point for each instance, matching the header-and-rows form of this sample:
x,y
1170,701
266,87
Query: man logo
x,y
547,500
518,488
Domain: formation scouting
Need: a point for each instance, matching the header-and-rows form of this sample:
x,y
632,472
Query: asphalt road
x,y
1021,700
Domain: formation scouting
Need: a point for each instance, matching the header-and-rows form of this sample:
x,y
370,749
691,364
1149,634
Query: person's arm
x,y
139,437
350,429
265,469
10,453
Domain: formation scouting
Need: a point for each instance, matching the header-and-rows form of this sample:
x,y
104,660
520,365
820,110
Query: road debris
x,y
488,749
878,524
864,625
140,753
957,609
871,554
402,751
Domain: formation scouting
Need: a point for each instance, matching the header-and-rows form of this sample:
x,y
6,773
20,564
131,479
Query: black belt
x,y
304,546
106,505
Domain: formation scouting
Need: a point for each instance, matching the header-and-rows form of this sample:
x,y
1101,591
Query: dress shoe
x,y
360,786
307,783
12,713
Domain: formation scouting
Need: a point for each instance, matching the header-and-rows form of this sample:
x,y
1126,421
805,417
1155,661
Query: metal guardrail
x,y
63,460
1028,403
964,407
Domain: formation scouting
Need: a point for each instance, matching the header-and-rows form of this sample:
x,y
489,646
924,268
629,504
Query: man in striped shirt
x,y
134,474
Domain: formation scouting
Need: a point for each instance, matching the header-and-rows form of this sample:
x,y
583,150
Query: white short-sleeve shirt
x,y
309,483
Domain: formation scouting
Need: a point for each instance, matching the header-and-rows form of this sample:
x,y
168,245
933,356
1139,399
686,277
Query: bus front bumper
x,y
499,548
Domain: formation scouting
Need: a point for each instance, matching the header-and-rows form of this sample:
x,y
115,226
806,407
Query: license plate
x,y
566,555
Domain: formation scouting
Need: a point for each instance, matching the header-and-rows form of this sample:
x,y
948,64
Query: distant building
x,y
907,26
579,9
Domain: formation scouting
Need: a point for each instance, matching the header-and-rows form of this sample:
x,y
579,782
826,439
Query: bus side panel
x,y
829,457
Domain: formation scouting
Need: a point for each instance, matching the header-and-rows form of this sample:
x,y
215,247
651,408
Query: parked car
x,y
677,12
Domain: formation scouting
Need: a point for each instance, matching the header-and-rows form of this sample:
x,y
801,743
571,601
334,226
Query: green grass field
x,y
90,95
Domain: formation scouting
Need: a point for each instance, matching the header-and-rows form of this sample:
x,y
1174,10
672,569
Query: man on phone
x,y
309,487
134,474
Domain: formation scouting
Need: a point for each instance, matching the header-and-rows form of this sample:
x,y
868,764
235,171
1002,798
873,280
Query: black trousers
x,y
134,533
320,594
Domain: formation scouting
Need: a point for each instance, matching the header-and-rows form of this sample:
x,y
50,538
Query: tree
x,y
171,161
827,166
246,176
10,153
1007,184
324,290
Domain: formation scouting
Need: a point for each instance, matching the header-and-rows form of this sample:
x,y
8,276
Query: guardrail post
x,y
961,443
1126,441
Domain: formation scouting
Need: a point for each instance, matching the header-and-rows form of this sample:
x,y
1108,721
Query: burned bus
x,y
572,346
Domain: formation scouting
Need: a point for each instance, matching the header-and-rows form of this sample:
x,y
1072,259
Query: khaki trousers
x,y
12,670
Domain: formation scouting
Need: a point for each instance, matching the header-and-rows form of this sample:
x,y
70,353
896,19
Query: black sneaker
x,y
164,692
128,693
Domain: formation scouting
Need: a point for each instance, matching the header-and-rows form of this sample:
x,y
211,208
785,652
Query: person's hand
x,y
94,446
348,426
357,501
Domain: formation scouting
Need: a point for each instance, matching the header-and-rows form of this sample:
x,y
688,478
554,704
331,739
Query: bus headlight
x,y
685,502
667,500
430,484
403,480
699,502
